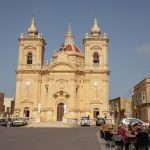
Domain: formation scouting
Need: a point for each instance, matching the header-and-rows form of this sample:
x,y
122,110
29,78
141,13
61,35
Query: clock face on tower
x,y
28,82
96,83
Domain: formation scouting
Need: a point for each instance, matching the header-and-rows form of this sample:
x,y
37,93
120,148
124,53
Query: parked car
x,y
85,121
3,122
9,122
132,121
18,122
100,121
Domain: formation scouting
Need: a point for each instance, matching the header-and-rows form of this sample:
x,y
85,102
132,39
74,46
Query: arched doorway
x,y
60,111
96,113
26,112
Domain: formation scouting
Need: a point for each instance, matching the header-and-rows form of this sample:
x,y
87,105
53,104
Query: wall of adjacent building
x,y
8,106
120,107
1,104
141,100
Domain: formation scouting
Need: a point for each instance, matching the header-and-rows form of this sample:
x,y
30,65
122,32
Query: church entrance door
x,y
26,112
96,113
60,111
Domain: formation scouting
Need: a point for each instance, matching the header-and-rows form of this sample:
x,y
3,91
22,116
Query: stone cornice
x,y
28,71
82,110
93,38
98,71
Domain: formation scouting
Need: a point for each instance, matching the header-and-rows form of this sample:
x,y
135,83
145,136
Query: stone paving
x,y
49,125
64,125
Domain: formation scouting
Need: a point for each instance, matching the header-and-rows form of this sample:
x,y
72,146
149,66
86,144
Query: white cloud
x,y
144,50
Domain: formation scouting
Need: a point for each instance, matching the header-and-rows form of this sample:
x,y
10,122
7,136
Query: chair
x,y
118,140
102,135
108,138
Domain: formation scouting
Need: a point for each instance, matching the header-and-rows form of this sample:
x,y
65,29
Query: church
x,y
73,84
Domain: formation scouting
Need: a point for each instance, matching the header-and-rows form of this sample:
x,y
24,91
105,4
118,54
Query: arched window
x,y
29,58
95,58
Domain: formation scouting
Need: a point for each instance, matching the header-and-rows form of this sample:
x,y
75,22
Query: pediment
x,y
26,101
61,67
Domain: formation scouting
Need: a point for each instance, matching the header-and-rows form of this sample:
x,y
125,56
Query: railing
x,y
140,101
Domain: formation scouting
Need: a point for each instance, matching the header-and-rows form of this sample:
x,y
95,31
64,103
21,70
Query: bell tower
x,y
96,49
96,68
31,48
30,61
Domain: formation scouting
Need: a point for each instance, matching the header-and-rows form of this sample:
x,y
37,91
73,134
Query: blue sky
x,y
126,22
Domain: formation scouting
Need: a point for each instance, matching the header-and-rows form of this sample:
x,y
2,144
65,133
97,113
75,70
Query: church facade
x,y
73,84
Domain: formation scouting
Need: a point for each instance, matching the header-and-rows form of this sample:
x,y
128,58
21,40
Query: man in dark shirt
x,y
142,140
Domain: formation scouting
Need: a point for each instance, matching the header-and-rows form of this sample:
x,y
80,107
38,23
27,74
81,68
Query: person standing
x,y
123,131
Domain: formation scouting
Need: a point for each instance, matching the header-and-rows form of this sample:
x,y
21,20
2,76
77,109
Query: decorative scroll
x,y
61,93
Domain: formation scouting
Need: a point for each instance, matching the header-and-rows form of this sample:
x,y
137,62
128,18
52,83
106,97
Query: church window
x,y
29,58
143,97
95,58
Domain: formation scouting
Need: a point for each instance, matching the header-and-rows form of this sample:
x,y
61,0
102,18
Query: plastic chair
x,y
102,135
118,140
108,138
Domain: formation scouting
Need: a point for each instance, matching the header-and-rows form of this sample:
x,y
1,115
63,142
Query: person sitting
x,y
149,128
142,139
118,139
123,131
138,128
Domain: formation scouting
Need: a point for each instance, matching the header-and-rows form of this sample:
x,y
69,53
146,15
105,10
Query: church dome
x,y
70,47
69,42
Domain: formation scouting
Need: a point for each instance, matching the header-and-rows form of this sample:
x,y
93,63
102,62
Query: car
x,y
18,122
100,121
85,121
133,121
3,122
9,122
